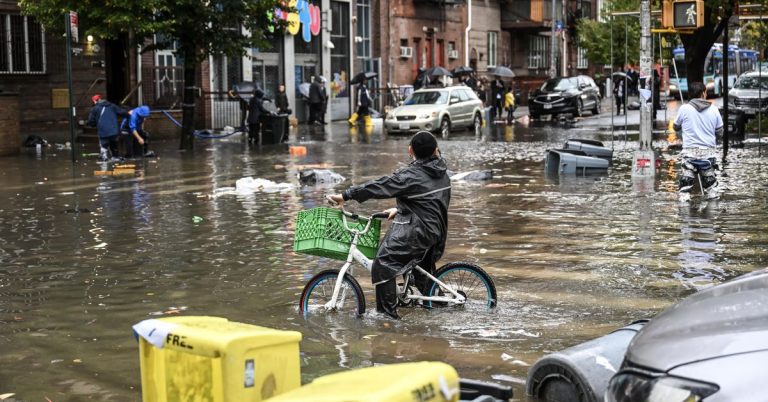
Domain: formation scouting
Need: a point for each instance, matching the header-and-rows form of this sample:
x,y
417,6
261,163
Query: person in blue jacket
x,y
136,141
104,116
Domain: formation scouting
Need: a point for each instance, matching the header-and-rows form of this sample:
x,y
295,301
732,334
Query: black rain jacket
x,y
420,229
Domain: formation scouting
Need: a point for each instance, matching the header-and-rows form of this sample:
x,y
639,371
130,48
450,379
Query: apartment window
x,y
581,58
492,46
538,52
364,28
22,45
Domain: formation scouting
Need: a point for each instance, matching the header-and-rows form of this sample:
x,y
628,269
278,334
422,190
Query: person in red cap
x,y
105,117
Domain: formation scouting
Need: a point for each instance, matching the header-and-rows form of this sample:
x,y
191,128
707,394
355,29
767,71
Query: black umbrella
x,y
503,72
438,71
364,76
463,70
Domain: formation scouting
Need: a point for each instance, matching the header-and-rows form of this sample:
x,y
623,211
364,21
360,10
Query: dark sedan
x,y
572,95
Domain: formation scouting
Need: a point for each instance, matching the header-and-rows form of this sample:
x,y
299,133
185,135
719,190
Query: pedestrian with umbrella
x,y
437,72
620,91
497,88
363,97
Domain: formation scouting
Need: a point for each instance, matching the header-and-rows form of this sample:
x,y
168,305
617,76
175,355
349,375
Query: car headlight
x,y
634,387
732,100
427,115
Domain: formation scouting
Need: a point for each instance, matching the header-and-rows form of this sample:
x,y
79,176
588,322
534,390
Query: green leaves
x,y
595,36
201,27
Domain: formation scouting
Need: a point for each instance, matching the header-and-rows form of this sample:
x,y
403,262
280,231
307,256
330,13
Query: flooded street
x,y
82,258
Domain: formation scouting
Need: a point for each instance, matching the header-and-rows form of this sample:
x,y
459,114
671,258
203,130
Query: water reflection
x,y
572,257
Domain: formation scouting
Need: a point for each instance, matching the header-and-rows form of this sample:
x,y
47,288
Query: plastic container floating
x,y
297,150
213,359
320,231
423,381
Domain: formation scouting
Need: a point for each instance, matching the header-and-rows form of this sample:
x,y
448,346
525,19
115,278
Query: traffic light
x,y
666,14
688,14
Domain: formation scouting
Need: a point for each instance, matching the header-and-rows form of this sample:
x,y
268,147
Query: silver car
x,y
750,93
711,346
437,110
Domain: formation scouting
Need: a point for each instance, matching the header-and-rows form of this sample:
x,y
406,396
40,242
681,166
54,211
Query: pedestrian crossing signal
x,y
688,14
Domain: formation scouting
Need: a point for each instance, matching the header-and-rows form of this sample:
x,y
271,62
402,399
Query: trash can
x,y
422,381
590,148
213,359
736,125
570,161
274,129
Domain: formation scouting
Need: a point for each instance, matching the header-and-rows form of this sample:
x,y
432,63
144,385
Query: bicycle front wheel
x,y
467,279
317,295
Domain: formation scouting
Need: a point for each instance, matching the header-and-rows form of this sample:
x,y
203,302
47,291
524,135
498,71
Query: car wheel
x,y
579,108
477,124
445,127
596,110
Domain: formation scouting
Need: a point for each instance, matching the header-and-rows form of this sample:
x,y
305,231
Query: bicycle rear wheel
x,y
467,279
319,291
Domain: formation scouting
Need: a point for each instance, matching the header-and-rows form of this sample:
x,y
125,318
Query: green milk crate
x,y
320,231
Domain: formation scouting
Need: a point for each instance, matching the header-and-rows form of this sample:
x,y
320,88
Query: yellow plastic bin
x,y
213,359
407,382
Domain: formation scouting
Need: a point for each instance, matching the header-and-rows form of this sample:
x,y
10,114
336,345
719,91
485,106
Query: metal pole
x,y
612,97
71,111
552,43
759,108
726,134
644,161
626,78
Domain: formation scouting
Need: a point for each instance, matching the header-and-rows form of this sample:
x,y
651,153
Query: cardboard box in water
x,y
406,382
213,359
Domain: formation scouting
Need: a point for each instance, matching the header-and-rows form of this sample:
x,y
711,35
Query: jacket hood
x,y
700,104
434,166
142,111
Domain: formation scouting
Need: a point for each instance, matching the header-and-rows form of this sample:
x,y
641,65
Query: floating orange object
x,y
297,151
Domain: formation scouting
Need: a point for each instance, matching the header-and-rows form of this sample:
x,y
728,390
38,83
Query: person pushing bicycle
x,y
418,233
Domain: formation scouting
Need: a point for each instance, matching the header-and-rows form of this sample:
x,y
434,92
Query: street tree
x,y
200,29
595,36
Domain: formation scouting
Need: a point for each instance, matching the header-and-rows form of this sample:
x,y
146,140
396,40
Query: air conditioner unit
x,y
406,52
453,54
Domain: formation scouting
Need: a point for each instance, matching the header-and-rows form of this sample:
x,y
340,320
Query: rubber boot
x,y
353,119
386,298
368,121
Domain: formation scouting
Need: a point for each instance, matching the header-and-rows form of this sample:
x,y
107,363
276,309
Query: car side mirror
x,y
454,100
400,103
582,86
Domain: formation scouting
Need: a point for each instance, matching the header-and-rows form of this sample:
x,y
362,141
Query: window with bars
x,y
581,58
492,47
22,45
538,51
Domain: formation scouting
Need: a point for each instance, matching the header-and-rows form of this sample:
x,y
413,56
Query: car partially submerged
x,y
438,110
712,346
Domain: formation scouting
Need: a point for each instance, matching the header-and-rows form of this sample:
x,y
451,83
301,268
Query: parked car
x,y
711,346
438,110
565,95
750,93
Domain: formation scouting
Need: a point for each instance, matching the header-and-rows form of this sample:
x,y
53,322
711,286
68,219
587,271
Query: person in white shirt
x,y
699,123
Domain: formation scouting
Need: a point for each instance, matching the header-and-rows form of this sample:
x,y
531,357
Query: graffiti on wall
x,y
306,18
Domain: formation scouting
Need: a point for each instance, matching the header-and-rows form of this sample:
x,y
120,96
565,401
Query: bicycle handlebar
x,y
346,214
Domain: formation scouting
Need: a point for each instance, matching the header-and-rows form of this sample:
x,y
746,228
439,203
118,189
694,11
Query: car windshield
x,y
752,82
559,84
428,98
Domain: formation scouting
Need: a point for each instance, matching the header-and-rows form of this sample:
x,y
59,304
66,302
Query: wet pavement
x,y
84,257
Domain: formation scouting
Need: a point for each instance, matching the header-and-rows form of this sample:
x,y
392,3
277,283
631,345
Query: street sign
x,y
688,14
73,26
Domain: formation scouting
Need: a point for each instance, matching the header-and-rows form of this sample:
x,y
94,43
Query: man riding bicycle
x,y
699,122
420,227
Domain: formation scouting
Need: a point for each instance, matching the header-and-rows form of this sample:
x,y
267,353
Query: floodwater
x,y
82,258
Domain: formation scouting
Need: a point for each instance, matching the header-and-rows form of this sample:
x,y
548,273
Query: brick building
x,y
409,34
33,64
529,24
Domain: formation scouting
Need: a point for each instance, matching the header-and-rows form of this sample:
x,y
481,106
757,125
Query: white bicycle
x,y
459,284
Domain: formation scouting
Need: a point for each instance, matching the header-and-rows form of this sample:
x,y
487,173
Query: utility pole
x,y
552,44
644,163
